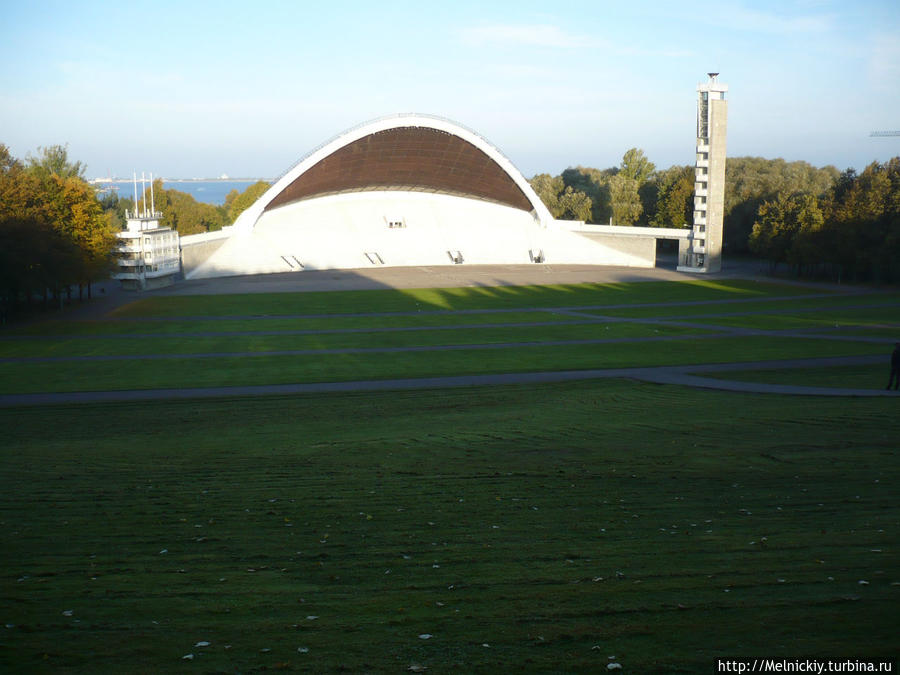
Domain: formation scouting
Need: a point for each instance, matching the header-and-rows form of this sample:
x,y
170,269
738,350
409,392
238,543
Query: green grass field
x,y
538,528
207,341
841,377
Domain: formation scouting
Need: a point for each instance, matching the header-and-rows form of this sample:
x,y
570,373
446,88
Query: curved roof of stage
x,y
403,152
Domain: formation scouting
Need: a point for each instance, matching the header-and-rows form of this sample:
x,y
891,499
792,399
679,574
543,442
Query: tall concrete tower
x,y
704,253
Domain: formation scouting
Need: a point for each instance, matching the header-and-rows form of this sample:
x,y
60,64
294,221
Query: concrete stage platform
x,y
443,276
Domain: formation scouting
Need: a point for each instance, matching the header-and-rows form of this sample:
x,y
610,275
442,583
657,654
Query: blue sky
x,y
197,89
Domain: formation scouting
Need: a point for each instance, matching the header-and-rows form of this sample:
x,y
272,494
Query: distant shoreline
x,y
182,180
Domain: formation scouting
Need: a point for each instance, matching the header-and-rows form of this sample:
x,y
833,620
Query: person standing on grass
x,y
895,368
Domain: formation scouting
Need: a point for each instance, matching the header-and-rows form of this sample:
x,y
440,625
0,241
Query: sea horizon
x,y
236,179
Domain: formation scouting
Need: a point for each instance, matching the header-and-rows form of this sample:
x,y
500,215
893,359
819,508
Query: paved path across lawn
x,y
677,375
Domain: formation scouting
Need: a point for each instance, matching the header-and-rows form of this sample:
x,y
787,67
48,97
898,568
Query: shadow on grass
x,y
448,299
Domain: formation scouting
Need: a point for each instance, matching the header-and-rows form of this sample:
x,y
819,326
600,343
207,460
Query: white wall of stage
x,y
400,228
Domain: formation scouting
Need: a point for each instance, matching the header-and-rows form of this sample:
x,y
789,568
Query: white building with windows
x,y
147,256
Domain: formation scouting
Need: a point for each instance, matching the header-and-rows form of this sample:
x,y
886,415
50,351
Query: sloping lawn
x,y
543,528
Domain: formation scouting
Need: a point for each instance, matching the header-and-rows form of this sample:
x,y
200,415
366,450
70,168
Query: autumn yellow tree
x,y
51,216
238,202
73,210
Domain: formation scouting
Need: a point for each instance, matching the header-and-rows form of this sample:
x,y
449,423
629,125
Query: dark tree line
x,y
752,181
851,232
54,234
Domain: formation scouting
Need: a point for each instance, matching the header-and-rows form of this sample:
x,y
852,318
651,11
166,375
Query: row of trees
x,y
636,193
752,181
54,234
633,193
852,231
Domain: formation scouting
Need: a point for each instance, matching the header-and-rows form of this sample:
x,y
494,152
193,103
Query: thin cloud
x,y
736,16
660,53
884,62
96,75
551,36
523,71
526,35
